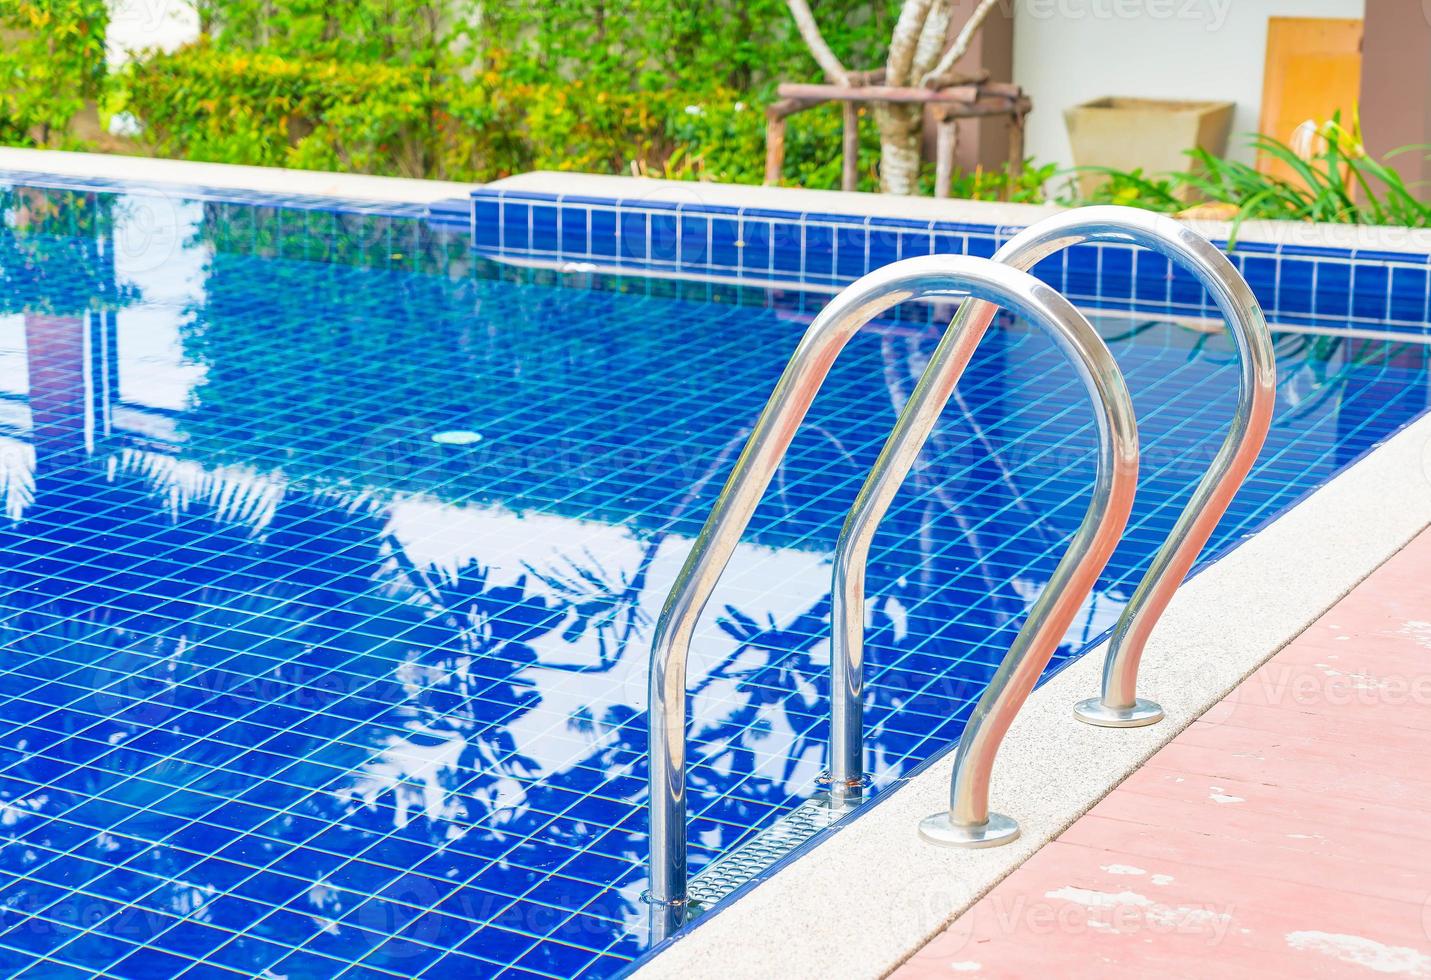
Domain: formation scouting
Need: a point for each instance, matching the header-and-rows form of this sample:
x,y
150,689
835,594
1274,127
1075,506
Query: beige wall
x,y
1069,51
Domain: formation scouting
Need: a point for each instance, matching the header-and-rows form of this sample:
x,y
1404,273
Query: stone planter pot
x,y
1151,134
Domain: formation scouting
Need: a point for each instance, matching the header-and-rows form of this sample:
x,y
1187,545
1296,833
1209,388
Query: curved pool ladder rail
x,y
827,335
1118,705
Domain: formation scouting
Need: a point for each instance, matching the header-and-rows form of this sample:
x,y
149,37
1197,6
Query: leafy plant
x,y
257,107
685,48
1336,181
51,65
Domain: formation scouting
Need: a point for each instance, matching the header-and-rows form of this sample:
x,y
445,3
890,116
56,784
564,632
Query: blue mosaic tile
x,y
695,239
1149,287
983,245
883,247
725,236
1409,294
1370,290
1333,290
1261,275
851,251
1295,285
326,592
516,225
665,237
947,243
633,234
1080,270
487,223
573,231
755,236
603,232
819,250
545,229
915,243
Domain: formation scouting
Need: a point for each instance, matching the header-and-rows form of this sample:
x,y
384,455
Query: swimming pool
x,y
333,548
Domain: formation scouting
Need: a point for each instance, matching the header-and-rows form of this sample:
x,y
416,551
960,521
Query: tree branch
x,y
960,47
931,38
815,41
905,40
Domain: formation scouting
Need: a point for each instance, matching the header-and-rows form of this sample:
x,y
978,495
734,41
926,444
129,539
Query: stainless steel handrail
x,y
1118,706
831,330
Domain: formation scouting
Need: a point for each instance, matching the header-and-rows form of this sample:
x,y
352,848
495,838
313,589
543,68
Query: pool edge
x,y
825,911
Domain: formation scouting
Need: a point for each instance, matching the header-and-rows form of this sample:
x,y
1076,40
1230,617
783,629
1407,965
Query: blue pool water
x,y
331,554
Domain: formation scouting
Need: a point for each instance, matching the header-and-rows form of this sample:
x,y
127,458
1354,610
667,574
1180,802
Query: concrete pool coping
x,y
831,910
279,180
227,176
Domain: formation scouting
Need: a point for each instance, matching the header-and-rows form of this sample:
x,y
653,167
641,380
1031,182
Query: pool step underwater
x,y
753,858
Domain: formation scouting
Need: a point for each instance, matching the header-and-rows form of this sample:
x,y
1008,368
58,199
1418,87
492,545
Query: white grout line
x,y
865,900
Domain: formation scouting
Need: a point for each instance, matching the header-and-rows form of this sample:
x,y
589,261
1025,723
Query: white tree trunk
x,y
961,44
913,49
810,31
914,58
900,145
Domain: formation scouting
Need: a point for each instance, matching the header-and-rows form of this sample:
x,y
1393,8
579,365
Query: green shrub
x,y
686,46
256,107
51,65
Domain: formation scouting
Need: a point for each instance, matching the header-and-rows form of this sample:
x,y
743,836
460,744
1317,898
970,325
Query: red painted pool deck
x,y
1286,833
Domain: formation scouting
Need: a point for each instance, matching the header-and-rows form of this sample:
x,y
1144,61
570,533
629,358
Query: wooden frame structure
x,y
972,100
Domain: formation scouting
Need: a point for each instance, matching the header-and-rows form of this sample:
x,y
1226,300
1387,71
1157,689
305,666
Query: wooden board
x,y
1313,69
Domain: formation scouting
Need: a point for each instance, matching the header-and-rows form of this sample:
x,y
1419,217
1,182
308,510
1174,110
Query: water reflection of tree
x,y
285,642
55,254
275,668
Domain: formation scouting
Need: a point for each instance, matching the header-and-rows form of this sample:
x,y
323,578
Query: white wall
x,y
138,24
1070,51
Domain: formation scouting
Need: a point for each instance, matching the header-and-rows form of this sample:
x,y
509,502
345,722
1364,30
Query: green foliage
x,y
469,90
674,89
683,46
51,64
1336,182
1027,187
262,109
430,34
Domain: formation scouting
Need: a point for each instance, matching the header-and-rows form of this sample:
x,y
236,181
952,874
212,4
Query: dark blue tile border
x,y
1304,284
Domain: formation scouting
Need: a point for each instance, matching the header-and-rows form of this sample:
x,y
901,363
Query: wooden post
x,y
775,115
948,139
850,171
1016,149
774,145
977,101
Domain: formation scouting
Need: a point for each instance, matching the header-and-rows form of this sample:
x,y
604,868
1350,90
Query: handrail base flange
x,y
942,830
1094,712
